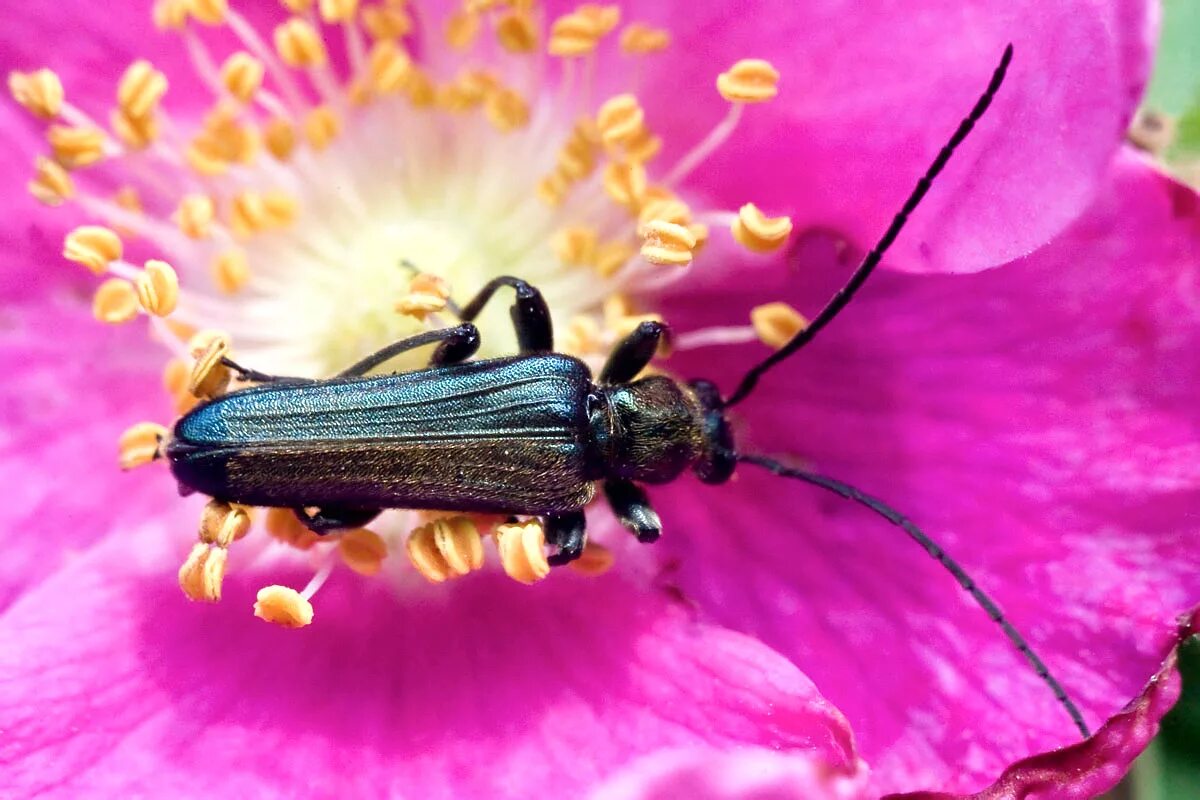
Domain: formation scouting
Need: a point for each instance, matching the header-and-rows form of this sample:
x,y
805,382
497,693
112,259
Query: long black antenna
x,y
986,603
872,258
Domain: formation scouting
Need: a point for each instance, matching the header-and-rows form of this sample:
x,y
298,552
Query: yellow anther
x,y
210,12
667,209
283,526
576,245
759,233
282,606
247,213
642,146
299,44
517,31
426,294
51,184
480,6
616,306
620,328
242,75
94,246
362,551
209,377
470,88
577,158
140,444
280,207
420,89
776,323
224,138
582,336
76,147
552,189
297,6
522,550
611,256
625,183
175,376
751,80
202,573
40,92
384,22
222,524
388,67
140,89
280,138
158,288
338,10
136,133
231,271
639,39
204,161
195,215
620,119
462,28
573,35
115,301
602,17
699,232
321,126
596,560
667,243
170,15
507,110
448,547
128,198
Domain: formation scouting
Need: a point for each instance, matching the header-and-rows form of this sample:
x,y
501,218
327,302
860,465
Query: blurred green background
x,y
1170,768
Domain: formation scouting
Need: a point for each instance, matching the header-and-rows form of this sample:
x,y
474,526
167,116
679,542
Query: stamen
x,y
297,6
642,146
76,147
203,572
209,376
639,39
222,524
39,92
507,110
751,80
51,185
625,183
462,28
140,444
447,547
667,243
299,44
603,18
582,336
577,158
620,120
282,606
596,560
552,189
242,75
522,550
170,15
576,245
93,246
115,302
667,209
426,294
140,89
388,67
195,215
362,551
573,35
158,288
385,22
136,133
248,213
611,256
321,126
333,11
776,323
283,526
231,271
759,233
517,32
280,138
209,12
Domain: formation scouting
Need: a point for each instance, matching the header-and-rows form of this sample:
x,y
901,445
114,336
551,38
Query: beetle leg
x,y
255,376
567,532
457,344
632,508
335,518
633,353
530,314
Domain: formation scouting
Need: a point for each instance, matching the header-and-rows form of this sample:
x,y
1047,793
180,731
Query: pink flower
x,y
1038,419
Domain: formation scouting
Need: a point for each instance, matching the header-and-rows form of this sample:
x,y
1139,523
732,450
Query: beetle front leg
x,y
334,518
530,314
633,509
568,533
633,353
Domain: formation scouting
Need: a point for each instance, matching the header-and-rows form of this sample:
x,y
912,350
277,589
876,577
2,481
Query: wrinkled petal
x,y
1039,421
112,684
871,91
733,775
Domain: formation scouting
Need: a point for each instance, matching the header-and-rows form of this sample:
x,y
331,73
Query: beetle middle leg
x,y
633,509
568,533
334,518
457,344
633,353
530,314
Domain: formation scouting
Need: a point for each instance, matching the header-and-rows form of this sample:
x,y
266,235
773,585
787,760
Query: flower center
x,y
313,214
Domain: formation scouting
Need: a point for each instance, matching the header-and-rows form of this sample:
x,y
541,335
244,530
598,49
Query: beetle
x,y
532,434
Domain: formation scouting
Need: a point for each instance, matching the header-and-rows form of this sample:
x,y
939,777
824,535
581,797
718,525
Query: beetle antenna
x,y
932,548
871,260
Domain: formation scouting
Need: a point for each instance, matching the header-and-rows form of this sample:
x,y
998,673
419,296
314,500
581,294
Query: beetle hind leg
x,y
334,518
568,534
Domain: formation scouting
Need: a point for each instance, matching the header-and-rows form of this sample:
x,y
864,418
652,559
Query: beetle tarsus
x,y
568,533
633,509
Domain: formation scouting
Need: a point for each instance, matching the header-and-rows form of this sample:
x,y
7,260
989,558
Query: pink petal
x,y
112,684
869,93
1040,422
